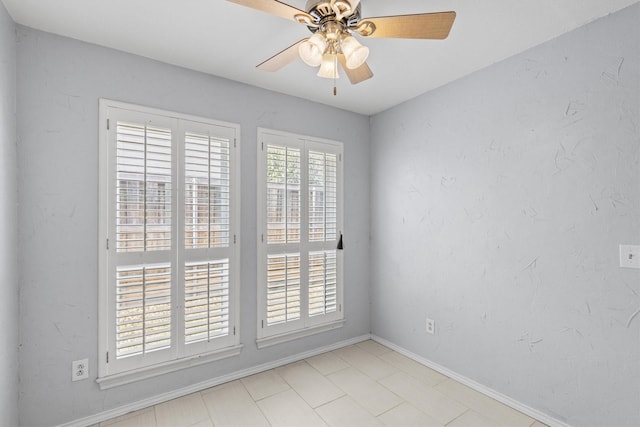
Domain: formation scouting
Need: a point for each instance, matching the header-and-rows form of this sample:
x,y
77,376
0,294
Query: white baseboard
x,y
534,413
161,398
164,397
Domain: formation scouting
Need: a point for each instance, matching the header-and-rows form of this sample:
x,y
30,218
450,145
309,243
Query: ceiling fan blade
x,y
419,26
278,8
281,59
357,75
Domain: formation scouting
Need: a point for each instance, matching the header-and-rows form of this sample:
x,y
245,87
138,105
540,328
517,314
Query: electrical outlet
x,y
431,326
79,369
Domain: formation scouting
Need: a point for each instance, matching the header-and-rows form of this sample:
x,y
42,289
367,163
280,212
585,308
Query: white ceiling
x,y
228,40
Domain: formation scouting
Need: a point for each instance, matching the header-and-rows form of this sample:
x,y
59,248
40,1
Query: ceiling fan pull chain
x,y
335,75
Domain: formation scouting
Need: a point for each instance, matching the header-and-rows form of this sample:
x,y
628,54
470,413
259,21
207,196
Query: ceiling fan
x,y
333,24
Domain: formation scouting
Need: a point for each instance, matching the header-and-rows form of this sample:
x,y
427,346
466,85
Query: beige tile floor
x,y
365,384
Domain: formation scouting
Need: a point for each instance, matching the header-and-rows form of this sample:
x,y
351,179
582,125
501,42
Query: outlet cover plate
x,y
431,326
630,256
79,370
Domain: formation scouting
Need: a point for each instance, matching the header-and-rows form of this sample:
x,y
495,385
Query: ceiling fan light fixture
x,y
329,66
333,24
311,50
355,53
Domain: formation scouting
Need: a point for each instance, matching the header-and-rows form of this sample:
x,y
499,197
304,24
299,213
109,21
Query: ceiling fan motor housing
x,y
322,12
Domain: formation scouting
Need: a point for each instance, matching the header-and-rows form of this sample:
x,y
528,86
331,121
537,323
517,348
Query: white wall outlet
x,y
630,256
431,326
79,369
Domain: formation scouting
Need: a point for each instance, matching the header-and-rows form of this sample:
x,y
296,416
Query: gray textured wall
x,y
8,224
498,205
502,202
58,87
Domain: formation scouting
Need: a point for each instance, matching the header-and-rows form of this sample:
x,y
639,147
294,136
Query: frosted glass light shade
x,y
354,52
311,51
329,67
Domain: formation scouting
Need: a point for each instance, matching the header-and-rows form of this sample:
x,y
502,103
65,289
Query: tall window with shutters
x,y
169,251
300,224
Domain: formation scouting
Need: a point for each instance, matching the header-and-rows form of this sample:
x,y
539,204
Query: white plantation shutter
x,y
283,288
209,261
323,282
299,210
323,196
144,170
206,300
138,221
323,221
143,309
169,264
207,189
143,223
283,194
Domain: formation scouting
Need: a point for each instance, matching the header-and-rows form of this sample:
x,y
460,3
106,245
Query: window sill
x,y
115,380
300,333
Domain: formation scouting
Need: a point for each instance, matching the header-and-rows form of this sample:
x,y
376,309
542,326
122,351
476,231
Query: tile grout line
x,y
459,416
254,402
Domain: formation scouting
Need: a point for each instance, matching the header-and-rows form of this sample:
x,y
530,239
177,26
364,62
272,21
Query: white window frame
x,y
112,373
306,325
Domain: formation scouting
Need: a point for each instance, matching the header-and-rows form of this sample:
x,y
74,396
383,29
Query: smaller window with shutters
x,y
169,244
300,282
